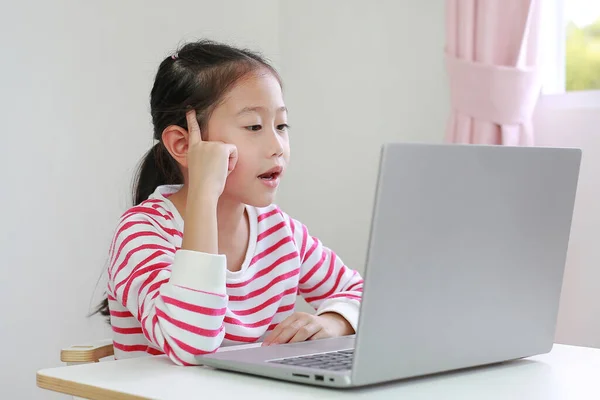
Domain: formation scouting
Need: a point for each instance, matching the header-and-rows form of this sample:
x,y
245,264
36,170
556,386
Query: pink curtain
x,y
492,64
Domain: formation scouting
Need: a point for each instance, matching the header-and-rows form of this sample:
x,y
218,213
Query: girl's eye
x,y
283,127
254,128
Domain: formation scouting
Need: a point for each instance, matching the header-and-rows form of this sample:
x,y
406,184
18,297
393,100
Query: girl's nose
x,y
277,144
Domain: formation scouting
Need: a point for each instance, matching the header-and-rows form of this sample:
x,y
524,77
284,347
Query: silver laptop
x,y
465,265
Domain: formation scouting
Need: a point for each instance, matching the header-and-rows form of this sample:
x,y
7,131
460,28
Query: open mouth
x,y
271,174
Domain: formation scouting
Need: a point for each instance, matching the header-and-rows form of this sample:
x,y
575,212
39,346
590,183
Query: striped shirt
x,y
165,300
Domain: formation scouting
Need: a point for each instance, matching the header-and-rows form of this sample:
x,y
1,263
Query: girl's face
x,y
253,117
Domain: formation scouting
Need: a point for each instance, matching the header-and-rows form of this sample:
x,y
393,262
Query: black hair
x,y
198,75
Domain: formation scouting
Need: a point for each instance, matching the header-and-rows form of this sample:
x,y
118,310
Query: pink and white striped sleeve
x,y
178,296
325,282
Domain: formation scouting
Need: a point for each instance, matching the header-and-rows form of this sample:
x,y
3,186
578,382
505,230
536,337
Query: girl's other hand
x,y
300,326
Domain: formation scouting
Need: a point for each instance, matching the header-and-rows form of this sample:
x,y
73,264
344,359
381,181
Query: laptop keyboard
x,y
332,361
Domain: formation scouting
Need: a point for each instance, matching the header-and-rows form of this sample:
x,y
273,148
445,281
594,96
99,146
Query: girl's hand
x,y
300,326
209,162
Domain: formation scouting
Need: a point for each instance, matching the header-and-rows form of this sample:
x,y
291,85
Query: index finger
x,y
278,329
193,127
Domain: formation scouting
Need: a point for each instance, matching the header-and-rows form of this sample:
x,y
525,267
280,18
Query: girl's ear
x,y
175,139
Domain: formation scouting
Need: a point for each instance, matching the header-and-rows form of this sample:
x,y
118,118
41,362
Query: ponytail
x,y
157,168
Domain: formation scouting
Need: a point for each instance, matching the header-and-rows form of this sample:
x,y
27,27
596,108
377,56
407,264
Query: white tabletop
x,y
565,373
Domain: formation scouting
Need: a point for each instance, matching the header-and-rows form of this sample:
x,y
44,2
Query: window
x,y
582,48
571,49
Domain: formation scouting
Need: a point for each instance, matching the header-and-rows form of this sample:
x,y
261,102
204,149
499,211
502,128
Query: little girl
x,y
205,259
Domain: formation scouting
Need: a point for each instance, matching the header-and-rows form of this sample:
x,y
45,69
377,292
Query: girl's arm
x,y
178,296
325,282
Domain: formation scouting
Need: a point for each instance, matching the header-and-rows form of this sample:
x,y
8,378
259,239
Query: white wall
x,y
579,314
356,74
75,80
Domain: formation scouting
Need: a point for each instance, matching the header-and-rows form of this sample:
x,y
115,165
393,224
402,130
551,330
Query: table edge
x,y
80,389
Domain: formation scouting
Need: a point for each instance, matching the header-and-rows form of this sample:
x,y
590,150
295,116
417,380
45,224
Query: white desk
x,y
565,373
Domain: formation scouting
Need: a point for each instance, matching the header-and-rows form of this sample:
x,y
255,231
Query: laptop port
x,y
320,378
301,375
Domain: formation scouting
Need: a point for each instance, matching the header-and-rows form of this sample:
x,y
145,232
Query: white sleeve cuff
x,y
347,310
199,271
